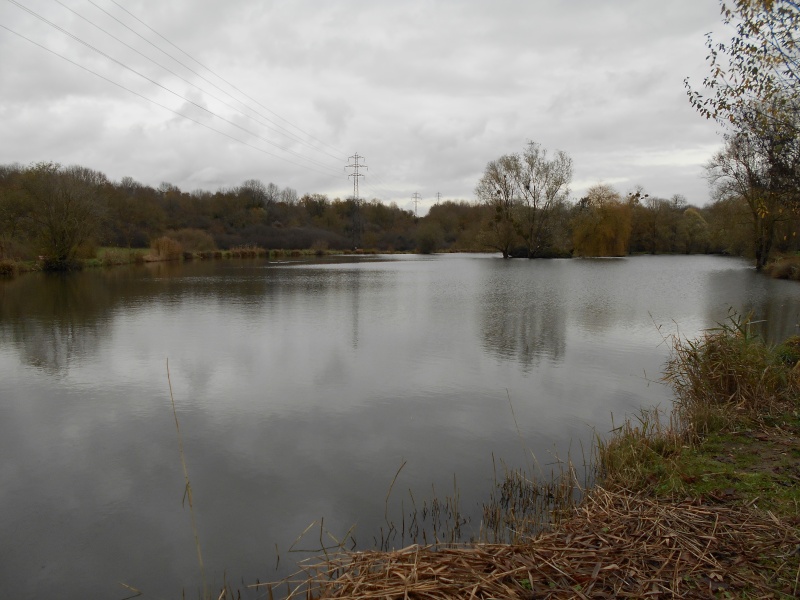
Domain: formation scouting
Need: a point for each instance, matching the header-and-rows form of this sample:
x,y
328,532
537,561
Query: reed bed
x,y
247,251
616,545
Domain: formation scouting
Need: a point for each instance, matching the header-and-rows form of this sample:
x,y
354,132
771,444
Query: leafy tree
x,y
754,89
759,68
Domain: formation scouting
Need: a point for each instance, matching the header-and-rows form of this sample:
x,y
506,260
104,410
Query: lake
x,y
301,387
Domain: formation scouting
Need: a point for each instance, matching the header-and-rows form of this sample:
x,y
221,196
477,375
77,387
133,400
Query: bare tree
x,y
255,193
524,189
289,196
740,170
542,184
496,189
65,208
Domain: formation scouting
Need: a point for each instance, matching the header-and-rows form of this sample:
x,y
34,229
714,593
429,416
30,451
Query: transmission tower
x,y
355,165
438,197
415,198
355,228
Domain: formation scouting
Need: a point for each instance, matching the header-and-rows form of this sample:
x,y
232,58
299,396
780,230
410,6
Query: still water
x,y
301,387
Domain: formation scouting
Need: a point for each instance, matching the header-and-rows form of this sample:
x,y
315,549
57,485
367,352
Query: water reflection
x,y
523,316
54,319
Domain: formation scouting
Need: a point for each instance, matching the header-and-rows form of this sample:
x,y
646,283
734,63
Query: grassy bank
x,y
111,257
702,502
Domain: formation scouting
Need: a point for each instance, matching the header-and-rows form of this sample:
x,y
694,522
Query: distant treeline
x,y
62,214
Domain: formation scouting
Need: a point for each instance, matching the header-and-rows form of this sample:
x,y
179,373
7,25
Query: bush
x,y
784,268
726,373
8,268
193,240
320,247
61,264
430,238
165,248
119,256
789,351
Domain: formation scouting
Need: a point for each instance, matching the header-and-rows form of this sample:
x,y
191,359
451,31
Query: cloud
x,y
427,92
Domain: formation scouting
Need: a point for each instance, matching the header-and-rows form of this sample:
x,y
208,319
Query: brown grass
x,y
617,544
165,248
784,268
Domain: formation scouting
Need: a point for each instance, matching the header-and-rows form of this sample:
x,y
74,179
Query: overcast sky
x,y
427,92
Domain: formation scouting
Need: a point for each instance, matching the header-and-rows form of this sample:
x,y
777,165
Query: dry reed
x,y
616,545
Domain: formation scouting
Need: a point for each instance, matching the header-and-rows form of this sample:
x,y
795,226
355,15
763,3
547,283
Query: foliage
x,y
785,268
128,214
429,238
602,224
8,268
754,90
758,68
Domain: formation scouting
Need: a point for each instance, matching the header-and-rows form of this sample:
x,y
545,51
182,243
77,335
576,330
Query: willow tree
x,y
602,223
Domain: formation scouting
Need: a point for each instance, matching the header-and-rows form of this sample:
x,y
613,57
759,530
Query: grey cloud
x,y
428,92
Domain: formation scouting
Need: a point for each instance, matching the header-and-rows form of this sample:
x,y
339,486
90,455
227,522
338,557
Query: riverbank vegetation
x,y
54,217
701,503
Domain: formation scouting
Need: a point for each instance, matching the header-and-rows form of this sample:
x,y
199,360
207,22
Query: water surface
x,y
302,386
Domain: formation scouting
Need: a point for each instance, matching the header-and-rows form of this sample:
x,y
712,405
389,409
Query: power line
x,y
154,82
213,73
119,85
277,128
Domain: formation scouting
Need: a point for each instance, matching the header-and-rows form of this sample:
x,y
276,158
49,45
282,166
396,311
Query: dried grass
x,y
617,544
